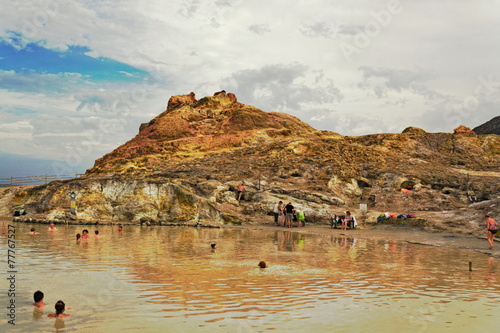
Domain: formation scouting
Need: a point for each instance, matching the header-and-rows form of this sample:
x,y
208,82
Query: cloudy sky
x,y
77,78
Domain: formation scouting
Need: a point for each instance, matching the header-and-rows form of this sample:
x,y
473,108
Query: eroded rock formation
x,y
185,164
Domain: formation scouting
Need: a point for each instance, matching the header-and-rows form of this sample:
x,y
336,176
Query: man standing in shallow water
x,y
491,229
289,211
277,211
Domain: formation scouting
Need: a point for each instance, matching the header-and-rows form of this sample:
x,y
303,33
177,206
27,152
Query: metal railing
x,y
35,180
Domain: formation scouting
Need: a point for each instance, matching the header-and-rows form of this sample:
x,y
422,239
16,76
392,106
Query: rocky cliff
x,y
185,164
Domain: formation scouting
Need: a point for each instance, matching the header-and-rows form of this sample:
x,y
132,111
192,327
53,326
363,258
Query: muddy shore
x,y
400,234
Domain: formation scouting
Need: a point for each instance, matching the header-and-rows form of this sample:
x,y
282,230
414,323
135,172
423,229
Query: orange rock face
x,y
182,163
177,100
463,130
221,139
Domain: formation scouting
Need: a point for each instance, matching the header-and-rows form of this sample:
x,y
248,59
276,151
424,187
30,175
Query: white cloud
x,y
259,29
283,87
416,68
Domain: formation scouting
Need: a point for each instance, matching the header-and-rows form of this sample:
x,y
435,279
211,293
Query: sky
x,y
77,78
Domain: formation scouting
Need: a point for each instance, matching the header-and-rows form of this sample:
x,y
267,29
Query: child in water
x,y
85,234
60,307
38,298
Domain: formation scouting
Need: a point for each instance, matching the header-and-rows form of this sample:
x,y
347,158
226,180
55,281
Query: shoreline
x,y
412,235
387,232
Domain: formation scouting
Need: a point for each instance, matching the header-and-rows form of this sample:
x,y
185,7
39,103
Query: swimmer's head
x,y
96,232
213,245
262,264
78,236
60,307
32,229
38,296
85,232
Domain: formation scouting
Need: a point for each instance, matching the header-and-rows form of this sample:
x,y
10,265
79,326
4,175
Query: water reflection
x,y
321,283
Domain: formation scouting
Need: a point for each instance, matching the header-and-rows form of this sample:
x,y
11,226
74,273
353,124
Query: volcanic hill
x,y
185,164
490,127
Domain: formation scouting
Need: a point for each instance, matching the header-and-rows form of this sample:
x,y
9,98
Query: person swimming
x,y
52,227
85,234
96,234
38,298
60,307
33,232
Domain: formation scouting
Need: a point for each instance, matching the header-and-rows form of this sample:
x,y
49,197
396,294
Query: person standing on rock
x,y
277,211
491,229
241,188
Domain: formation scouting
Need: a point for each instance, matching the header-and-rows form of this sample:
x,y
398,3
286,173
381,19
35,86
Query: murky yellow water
x,y
164,279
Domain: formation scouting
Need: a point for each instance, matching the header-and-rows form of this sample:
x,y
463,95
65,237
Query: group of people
x,y
85,235
288,214
52,228
60,307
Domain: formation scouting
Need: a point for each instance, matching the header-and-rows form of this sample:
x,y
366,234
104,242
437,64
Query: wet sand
x,y
411,235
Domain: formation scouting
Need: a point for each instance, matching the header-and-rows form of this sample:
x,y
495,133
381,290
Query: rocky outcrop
x,y
463,130
116,199
186,163
413,130
175,101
